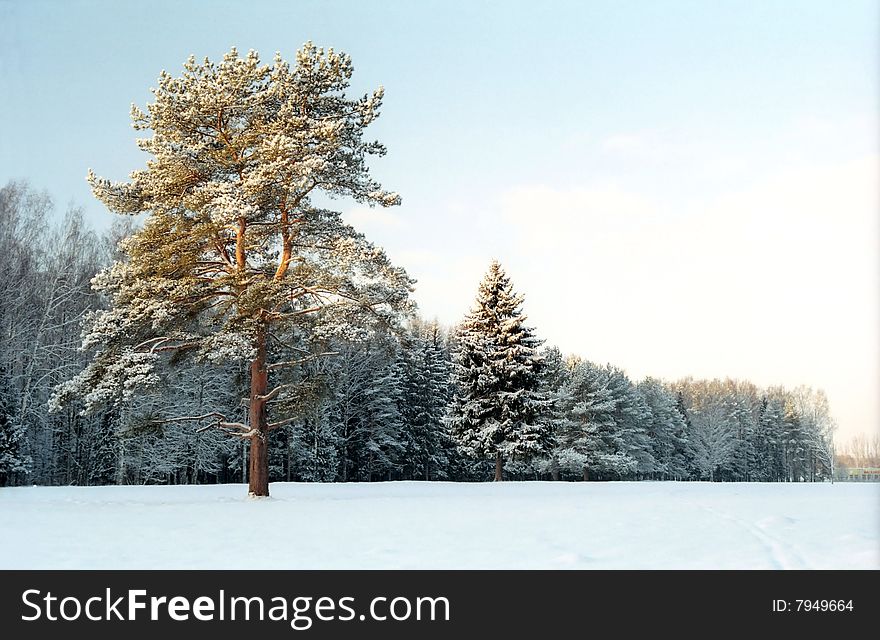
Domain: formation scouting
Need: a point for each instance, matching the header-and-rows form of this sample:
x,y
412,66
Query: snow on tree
x,y
308,448
317,456
818,428
423,373
44,293
102,452
380,426
438,364
759,448
500,409
175,453
366,409
632,417
794,445
590,436
742,405
712,439
665,428
13,460
554,376
602,424
234,262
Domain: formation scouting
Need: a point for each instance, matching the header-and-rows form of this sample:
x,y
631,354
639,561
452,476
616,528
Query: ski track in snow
x,y
783,555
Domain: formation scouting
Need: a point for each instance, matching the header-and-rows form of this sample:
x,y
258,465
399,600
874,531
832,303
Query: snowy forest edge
x,y
688,429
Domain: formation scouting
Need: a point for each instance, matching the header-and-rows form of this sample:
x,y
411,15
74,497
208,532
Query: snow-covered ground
x,y
645,525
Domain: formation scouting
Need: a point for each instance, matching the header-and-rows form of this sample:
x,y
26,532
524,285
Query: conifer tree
x,y
764,466
666,429
631,417
500,410
555,374
439,371
423,374
411,388
234,261
591,438
381,426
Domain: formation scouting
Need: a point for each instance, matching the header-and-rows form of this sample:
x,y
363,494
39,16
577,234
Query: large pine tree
x,y
235,262
500,409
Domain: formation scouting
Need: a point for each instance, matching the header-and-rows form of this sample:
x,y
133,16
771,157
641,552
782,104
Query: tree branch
x,y
275,425
160,340
293,363
236,429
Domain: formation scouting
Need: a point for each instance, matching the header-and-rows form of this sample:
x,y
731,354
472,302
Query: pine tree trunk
x,y
258,480
586,474
498,466
554,469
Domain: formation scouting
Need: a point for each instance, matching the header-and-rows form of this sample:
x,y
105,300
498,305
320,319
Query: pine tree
x,y
591,436
631,417
794,442
554,376
666,429
381,426
439,372
423,371
411,388
235,263
316,453
766,466
688,429
500,410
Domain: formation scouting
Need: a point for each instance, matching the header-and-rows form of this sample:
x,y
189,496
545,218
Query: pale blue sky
x,y
677,187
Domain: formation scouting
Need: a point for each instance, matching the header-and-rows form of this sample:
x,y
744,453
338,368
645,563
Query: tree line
x,y
860,451
387,405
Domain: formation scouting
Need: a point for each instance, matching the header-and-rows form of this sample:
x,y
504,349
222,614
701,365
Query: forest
x,y
381,406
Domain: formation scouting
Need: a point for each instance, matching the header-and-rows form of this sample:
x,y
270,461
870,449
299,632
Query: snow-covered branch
x,y
293,363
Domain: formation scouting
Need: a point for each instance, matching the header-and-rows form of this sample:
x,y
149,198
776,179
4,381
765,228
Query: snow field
x,y
410,525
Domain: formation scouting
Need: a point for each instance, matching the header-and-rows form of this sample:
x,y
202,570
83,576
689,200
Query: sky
x,y
677,187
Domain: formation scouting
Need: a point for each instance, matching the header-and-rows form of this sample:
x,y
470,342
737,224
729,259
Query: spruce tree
x,y
500,410
423,371
412,387
439,371
380,426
